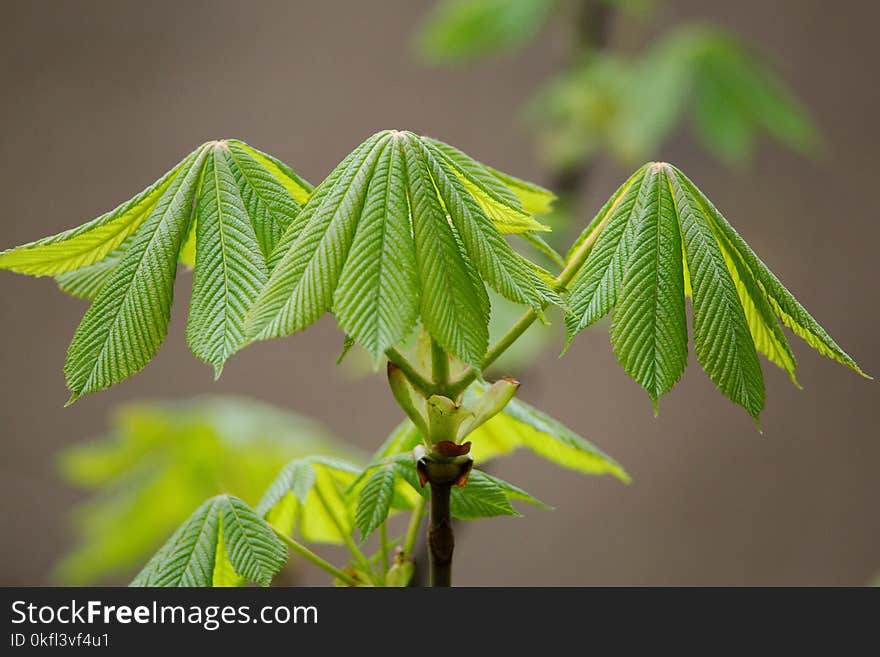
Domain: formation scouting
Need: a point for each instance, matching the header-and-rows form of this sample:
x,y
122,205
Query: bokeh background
x,y
99,98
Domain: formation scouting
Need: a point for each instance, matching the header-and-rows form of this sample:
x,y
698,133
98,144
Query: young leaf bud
x,y
402,391
444,418
489,404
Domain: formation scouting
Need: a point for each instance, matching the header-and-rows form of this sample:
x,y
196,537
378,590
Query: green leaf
x,y
374,500
520,425
502,268
225,205
737,95
454,305
722,126
594,292
483,496
783,302
515,492
533,198
298,188
296,502
191,555
253,549
93,241
461,31
188,558
766,333
374,299
722,337
309,258
270,204
231,267
736,299
398,232
224,574
649,330
126,324
86,282
496,199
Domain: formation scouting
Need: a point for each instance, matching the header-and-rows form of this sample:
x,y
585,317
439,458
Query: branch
x,y
307,554
419,382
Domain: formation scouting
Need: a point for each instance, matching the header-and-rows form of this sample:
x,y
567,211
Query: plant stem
x,y
307,554
412,531
441,541
383,558
356,552
528,318
419,382
439,365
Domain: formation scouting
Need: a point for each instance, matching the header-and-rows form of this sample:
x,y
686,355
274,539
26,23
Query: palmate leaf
x,y
661,239
222,538
128,321
404,228
222,210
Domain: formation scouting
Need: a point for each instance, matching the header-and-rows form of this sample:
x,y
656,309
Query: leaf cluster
x,y
160,460
659,240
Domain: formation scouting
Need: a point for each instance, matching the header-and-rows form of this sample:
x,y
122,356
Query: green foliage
x,y
223,207
374,244
461,31
374,499
221,534
630,106
162,459
659,238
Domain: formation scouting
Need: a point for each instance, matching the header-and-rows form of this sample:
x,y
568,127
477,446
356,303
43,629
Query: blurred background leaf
x,y
463,31
628,107
159,461
603,102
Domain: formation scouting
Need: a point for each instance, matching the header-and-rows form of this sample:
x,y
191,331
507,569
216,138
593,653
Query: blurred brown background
x,y
102,97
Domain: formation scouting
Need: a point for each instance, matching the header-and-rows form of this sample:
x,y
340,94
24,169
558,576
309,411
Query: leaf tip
x,y
622,475
757,420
